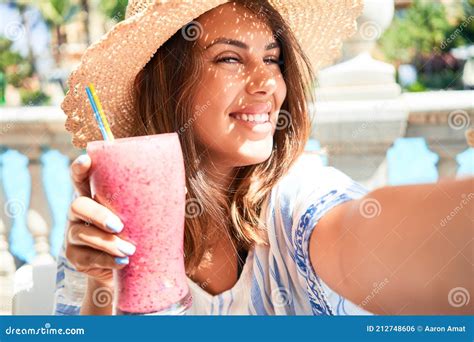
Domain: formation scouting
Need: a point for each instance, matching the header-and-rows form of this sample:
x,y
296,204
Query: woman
x,y
278,233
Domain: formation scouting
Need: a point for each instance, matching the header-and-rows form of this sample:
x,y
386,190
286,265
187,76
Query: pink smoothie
x,y
142,180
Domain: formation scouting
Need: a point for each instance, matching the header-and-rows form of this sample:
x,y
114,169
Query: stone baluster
x,y
360,76
39,230
7,273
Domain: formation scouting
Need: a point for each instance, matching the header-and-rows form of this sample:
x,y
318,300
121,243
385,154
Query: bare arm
x,y
401,250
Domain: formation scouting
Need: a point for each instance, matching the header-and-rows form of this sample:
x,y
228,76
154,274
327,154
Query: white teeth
x,y
253,117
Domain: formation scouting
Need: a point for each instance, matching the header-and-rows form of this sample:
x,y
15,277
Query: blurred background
x,y
397,108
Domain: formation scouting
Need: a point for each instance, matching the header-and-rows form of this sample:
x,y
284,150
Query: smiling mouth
x,y
254,118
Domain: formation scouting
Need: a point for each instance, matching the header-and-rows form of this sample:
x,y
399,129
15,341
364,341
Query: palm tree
x,y
85,16
56,14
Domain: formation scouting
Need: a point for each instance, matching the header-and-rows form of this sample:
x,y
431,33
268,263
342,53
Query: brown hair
x,y
163,95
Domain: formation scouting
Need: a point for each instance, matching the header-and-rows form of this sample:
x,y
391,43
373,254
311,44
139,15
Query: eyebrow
x,y
238,43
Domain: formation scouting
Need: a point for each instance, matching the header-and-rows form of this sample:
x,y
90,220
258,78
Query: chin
x,y
252,155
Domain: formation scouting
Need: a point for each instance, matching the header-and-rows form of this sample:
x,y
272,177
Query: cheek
x,y
216,93
213,99
215,80
211,126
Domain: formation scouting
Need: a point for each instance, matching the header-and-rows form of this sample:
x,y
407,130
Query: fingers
x,y
87,210
80,168
93,262
80,234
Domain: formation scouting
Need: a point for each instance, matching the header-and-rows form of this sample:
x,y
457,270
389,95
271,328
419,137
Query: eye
x,y
273,60
227,60
237,60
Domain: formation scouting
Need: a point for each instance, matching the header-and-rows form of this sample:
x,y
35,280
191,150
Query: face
x,y
241,89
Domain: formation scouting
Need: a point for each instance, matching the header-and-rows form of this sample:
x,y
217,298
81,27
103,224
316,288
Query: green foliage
x,y
17,71
57,12
421,30
7,56
20,73
463,32
12,64
423,35
33,97
114,9
442,79
468,33
416,87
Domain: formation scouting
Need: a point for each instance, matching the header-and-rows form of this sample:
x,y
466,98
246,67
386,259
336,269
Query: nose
x,y
261,81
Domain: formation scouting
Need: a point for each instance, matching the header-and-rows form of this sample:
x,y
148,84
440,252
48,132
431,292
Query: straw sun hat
x,y
113,62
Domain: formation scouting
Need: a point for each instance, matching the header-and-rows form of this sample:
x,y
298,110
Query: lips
x,y
255,108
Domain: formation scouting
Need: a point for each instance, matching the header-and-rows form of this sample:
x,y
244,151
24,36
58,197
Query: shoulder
x,y
306,194
309,180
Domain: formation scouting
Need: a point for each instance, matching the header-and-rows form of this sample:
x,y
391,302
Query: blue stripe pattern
x,y
307,223
221,303
59,276
276,275
64,309
256,296
231,301
259,265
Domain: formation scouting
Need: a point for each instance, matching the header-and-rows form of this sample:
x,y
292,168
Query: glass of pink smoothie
x,y
142,180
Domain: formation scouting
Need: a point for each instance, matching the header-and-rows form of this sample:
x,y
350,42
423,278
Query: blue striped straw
x,y
97,114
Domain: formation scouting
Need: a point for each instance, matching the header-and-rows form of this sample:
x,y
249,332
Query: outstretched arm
x,y
401,249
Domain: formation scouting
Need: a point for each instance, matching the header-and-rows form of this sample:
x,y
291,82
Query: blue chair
x,y
409,161
16,181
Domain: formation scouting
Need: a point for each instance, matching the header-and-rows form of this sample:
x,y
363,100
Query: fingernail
x,y
122,261
114,223
126,247
82,159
